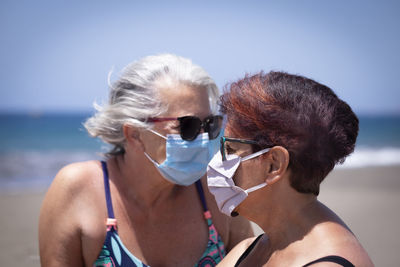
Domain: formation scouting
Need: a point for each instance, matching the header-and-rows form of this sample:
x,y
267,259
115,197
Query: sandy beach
x,y
367,199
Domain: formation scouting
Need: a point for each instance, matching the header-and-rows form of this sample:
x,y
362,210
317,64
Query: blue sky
x,y
56,55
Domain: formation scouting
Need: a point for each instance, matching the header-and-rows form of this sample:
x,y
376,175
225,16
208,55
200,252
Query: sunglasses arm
x,y
160,119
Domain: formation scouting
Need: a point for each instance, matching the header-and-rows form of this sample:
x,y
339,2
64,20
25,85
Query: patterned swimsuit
x,y
114,253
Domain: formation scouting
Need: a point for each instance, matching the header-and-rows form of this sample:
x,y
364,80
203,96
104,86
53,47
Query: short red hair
x,y
307,118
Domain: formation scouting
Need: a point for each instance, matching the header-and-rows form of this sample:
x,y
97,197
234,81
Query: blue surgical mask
x,y
186,161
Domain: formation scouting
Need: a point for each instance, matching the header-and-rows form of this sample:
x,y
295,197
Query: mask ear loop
x,y
147,155
251,156
160,135
254,188
152,160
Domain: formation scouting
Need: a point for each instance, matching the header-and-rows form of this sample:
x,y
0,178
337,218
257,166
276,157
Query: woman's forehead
x,y
184,100
231,131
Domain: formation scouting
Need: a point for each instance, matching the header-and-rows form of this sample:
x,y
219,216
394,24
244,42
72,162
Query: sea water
x,y
33,147
378,142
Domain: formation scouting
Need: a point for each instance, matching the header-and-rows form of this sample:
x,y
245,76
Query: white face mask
x,y
220,183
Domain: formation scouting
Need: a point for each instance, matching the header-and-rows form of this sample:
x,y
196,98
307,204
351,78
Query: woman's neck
x,y
139,181
287,219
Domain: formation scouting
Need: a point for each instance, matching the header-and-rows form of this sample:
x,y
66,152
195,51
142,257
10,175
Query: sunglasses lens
x,y
190,127
213,126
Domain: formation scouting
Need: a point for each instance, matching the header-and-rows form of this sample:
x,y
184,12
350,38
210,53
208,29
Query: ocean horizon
x,y
35,146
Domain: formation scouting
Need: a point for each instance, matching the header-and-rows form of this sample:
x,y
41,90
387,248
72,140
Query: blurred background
x,y
56,56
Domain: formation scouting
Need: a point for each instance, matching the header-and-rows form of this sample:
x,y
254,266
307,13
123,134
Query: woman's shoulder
x,y
75,175
76,188
80,168
74,181
232,257
73,209
338,240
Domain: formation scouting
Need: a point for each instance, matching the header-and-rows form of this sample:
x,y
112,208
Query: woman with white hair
x,y
147,203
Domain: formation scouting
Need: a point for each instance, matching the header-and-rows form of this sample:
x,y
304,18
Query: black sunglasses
x,y
190,126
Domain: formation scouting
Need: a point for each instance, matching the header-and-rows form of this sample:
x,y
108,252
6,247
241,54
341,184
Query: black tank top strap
x,y
248,250
332,258
107,190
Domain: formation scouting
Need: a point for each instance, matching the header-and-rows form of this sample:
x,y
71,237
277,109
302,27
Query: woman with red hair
x,y
284,134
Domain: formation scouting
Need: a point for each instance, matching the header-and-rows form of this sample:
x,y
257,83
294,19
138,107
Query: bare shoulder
x,y
232,257
67,210
243,245
76,189
349,247
77,174
355,262
71,180
337,239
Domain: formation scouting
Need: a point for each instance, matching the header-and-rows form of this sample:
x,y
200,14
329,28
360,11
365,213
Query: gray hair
x,y
133,96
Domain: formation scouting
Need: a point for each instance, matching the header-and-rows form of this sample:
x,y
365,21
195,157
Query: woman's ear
x,y
278,162
132,136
